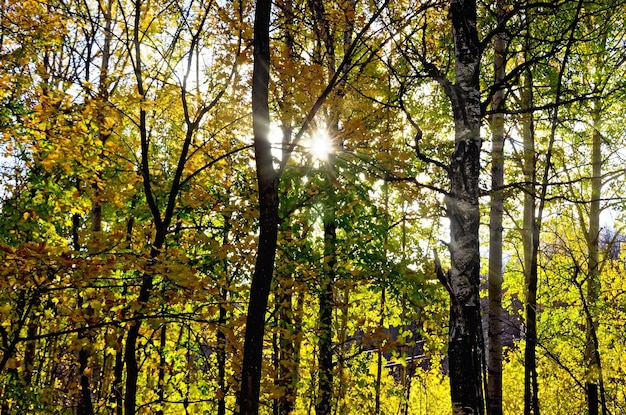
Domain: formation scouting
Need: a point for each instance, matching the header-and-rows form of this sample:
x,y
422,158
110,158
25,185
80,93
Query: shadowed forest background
x,y
312,207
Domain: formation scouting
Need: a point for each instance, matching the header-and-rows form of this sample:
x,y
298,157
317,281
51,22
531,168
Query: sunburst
x,y
320,145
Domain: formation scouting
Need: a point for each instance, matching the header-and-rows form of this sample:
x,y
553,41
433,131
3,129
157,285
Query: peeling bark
x,y
465,338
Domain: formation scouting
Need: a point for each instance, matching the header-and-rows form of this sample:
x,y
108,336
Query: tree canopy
x,y
294,207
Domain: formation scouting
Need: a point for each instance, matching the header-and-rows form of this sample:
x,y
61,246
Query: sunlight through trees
x,y
312,207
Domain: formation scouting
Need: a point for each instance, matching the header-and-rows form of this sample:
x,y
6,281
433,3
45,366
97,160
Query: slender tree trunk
x,y
117,386
85,405
130,358
267,180
130,348
162,369
593,273
30,352
379,357
221,354
494,351
286,353
326,368
223,317
530,238
118,373
162,222
529,170
531,385
288,345
284,350
381,321
326,306
465,341
289,342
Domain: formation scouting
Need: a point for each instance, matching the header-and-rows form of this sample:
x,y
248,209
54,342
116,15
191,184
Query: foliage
x,y
128,201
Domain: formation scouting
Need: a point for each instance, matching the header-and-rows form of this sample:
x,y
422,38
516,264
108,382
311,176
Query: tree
x,y
465,337
135,232
465,341
267,182
496,313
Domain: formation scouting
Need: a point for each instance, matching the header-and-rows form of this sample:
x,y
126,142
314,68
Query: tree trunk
x,y
162,369
85,405
130,348
290,343
130,358
222,341
288,349
531,385
381,321
326,305
161,221
494,351
380,357
465,341
223,316
592,359
117,395
267,180
285,353
118,373
529,241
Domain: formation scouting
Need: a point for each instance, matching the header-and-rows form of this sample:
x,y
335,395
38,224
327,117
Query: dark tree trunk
x,y
531,384
130,349
118,373
117,395
267,180
85,405
465,342
221,355
326,306
130,358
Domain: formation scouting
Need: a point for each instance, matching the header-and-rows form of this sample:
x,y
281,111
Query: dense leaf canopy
x,y
132,205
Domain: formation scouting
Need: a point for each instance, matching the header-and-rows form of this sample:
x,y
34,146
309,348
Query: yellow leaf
x,y
107,125
5,309
12,363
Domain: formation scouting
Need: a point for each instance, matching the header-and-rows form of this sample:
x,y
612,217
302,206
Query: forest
x,y
326,207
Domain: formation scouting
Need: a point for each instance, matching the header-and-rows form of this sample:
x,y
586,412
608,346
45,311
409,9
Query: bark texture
x,y
494,350
465,342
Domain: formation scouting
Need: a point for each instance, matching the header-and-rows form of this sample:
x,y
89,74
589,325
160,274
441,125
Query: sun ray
x,y
320,145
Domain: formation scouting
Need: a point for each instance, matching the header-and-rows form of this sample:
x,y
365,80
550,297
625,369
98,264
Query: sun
x,y
320,145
